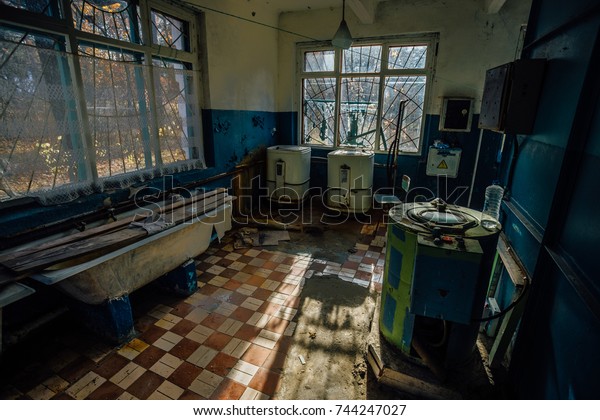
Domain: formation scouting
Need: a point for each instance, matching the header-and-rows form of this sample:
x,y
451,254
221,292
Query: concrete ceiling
x,y
363,9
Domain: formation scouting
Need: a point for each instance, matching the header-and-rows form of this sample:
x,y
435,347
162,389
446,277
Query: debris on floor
x,y
250,237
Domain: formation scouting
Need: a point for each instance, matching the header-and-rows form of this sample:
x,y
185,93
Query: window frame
x,y
431,40
64,26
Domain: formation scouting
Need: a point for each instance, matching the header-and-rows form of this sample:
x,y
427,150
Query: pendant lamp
x,y
342,38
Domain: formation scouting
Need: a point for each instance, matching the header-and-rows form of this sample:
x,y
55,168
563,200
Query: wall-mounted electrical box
x,y
510,96
443,161
456,114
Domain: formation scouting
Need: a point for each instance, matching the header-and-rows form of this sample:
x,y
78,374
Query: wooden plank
x,y
100,230
93,246
48,257
515,270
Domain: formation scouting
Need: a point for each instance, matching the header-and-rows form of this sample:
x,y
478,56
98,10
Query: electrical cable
x,y
508,308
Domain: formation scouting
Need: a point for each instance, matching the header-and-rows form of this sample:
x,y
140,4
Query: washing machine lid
x,y
350,152
289,148
446,217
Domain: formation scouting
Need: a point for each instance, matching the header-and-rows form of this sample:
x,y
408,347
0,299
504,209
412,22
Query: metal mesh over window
x,y
41,142
351,97
112,113
117,107
177,115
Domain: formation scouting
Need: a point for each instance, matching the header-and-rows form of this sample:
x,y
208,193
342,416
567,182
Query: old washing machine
x,y
438,263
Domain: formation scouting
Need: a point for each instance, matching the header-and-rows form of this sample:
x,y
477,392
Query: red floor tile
x,y
242,314
221,253
232,285
217,341
149,357
185,374
184,348
228,273
152,334
249,269
182,309
265,381
106,391
292,302
368,260
275,361
189,395
213,321
270,265
269,308
247,332
145,385
256,355
265,255
353,265
318,267
228,390
208,289
221,364
207,303
62,396
277,276
183,327
111,365
237,298
286,288
363,275
261,294
288,260
255,281
277,325
244,259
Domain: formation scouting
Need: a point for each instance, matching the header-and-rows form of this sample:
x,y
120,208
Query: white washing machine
x,y
350,179
288,172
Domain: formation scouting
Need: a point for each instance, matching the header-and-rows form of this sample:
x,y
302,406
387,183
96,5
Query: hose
x,y
508,308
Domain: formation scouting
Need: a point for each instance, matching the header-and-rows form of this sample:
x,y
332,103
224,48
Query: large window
x,y
351,98
97,92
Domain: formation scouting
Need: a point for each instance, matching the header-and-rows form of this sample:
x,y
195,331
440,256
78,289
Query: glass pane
x,y
364,59
44,7
358,111
315,61
117,108
41,145
408,57
91,19
412,90
170,31
178,116
318,111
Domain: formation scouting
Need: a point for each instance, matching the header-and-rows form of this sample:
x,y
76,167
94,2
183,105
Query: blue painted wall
x,y
554,190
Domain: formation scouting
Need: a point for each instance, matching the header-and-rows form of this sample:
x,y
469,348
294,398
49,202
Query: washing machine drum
x,y
445,218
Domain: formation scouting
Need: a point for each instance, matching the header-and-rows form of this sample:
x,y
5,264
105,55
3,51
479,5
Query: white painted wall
x,y
471,41
242,56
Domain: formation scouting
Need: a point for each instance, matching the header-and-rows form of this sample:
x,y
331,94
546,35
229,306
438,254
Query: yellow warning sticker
x,y
443,165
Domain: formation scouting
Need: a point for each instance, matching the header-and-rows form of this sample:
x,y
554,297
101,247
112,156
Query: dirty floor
x,y
283,322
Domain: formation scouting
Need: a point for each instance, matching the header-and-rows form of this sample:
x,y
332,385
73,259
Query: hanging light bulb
x,y
342,38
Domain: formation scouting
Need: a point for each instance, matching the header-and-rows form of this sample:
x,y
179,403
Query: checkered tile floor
x,y
228,340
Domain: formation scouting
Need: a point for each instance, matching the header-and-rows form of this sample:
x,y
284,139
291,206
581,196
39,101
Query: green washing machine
x,y
438,263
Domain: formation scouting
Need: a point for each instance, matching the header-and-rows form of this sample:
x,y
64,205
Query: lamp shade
x,y
342,38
